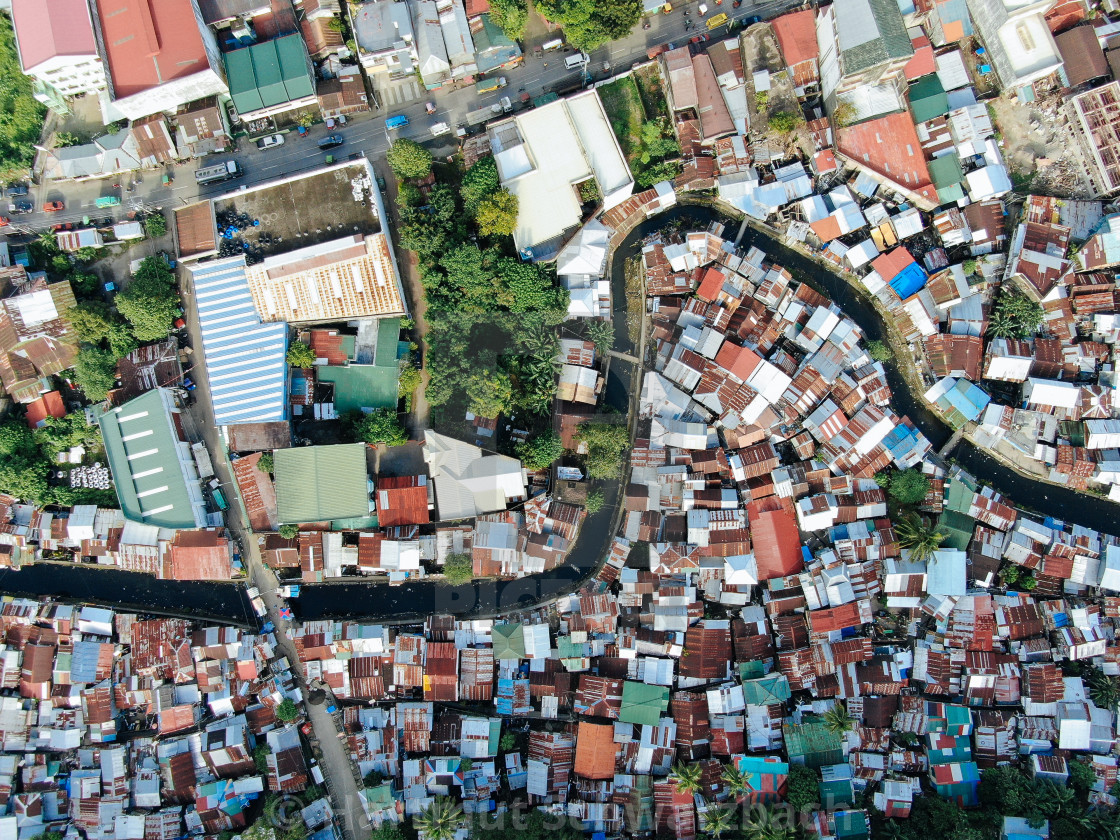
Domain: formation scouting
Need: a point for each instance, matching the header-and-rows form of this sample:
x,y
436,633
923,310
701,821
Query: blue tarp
x,y
908,281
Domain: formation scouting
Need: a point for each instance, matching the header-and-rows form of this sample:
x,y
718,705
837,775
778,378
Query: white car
x,y
270,141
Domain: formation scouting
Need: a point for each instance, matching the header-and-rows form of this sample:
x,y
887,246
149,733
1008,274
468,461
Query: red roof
x,y
149,43
797,36
327,344
595,751
199,555
736,360
48,405
46,29
776,540
710,285
891,264
890,146
922,64
402,500
825,161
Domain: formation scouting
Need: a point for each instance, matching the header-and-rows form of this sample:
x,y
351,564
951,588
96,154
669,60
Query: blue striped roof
x,y
245,359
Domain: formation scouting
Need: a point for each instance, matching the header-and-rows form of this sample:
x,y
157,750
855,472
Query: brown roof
x,y
145,368
950,354
199,555
401,500
258,437
595,752
196,233
797,36
257,491
1082,54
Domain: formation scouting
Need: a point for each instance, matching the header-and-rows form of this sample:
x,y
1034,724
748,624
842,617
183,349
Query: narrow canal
x,y
375,601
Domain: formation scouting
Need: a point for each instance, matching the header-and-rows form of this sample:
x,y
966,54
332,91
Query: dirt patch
x,y
1036,146
761,52
303,212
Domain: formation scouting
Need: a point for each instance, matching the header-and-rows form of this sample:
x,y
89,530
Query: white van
x,y
576,61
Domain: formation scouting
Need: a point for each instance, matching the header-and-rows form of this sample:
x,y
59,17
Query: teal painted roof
x,y
643,703
773,688
321,483
509,641
142,446
928,99
269,73
812,742
945,171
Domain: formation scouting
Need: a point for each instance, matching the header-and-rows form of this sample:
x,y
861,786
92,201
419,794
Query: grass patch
x,y
649,88
637,110
623,104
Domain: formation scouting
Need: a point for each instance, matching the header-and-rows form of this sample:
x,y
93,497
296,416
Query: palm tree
x,y
1002,325
837,720
921,538
766,824
686,777
736,781
1053,799
893,830
716,821
1103,689
600,333
440,820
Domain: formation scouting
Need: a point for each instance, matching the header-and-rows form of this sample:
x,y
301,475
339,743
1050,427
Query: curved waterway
x,y
376,601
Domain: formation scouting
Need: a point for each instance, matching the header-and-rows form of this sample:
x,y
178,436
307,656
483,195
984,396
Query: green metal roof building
x,y
321,483
509,641
153,469
642,703
810,743
270,77
928,99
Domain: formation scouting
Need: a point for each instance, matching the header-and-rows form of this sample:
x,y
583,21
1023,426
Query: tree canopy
x,y
23,114
458,568
590,23
511,16
95,372
409,159
538,452
497,215
300,355
907,487
155,224
1014,316
382,426
150,302
287,710
480,181
605,444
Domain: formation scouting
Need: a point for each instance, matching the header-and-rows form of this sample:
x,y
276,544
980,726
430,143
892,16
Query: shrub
x,y
408,159
300,355
458,568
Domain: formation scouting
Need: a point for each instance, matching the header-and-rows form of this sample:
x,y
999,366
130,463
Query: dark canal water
x,y
379,602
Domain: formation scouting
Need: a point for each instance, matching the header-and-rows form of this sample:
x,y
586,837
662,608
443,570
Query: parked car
x,y
53,206
270,141
22,207
751,21
16,190
698,39
62,226
331,141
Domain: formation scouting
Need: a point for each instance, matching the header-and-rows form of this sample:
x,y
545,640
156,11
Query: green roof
x,y
269,73
509,641
892,41
958,497
147,458
321,483
957,528
812,742
642,703
773,688
928,99
851,825
361,387
945,171
380,797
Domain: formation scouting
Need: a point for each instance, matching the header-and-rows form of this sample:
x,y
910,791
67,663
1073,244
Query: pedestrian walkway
x,y
393,93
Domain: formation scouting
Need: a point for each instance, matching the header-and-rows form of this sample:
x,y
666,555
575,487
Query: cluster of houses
x,y
129,728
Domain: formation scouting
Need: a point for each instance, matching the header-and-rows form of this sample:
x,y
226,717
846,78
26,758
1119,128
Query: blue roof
x,y
245,359
911,279
967,398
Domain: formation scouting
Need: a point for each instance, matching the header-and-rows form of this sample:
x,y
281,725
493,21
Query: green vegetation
x,y
687,778
497,215
539,452
844,114
589,192
1104,690
717,820
595,501
408,382
155,224
66,139
1014,316
880,351
837,720
919,536
95,372
374,778
23,115
511,16
648,144
287,711
907,487
458,568
288,532
27,459
479,182
265,463
507,743
387,830
969,267
382,426
408,159
590,23
300,355
150,302
784,122
260,758
802,789
605,444
440,820
600,333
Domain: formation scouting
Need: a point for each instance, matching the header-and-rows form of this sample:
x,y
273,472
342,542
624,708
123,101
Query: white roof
x,y
586,253
35,307
951,71
987,182
862,253
467,482
947,573
1051,392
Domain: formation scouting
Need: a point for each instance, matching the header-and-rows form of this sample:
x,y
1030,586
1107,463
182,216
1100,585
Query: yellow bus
x,y
717,20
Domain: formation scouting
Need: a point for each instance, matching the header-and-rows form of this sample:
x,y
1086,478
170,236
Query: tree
x,y
289,532
382,426
489,392
1014,316
769,824
58,434
784,122
387,831
260,758
300,355
497,215
908,487
922,539
409,159
150,302
843,114
1082,777
440,820
1104,690
541,450
715,820
880,351
735,781
65,139
802,788
595,501
507,743
600,333
95,324
265,464
837,720
969,267
155,225
528,287
95,372
23,116
458,568
605,444
591,23
16,439
687,777
511,16
287,711
481,180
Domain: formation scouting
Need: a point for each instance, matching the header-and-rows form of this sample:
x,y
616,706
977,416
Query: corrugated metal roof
x,y
245,359
319,483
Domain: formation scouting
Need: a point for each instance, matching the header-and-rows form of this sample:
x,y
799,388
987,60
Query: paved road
x,y
366,134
